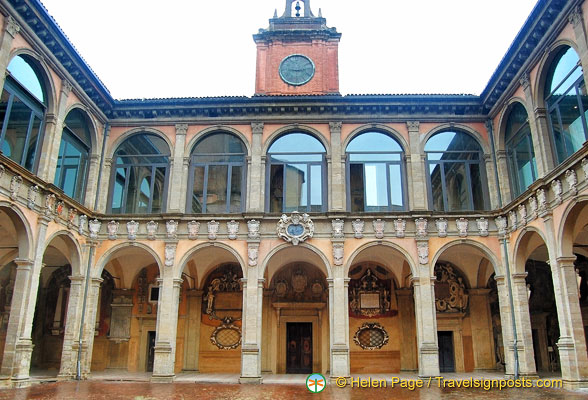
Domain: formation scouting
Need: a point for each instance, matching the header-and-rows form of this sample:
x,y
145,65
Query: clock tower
x,y
297,54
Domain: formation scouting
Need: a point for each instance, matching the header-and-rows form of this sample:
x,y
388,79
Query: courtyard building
x,y
295,230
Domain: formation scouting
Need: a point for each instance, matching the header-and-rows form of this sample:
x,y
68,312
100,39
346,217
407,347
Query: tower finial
x,y
290,5
276,13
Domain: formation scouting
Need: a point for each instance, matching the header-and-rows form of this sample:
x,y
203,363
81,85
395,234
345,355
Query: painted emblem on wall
x,y
450,291
369,296
295,228
371,336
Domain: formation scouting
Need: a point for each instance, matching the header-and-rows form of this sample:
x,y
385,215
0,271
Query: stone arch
x,y
23,230
73,246
393,133
216,129
545,65
504,115
44,75
486,252
568,228
201,277
95,143
353,257
529,239
297,128
134,131
106,257
459,127
324,265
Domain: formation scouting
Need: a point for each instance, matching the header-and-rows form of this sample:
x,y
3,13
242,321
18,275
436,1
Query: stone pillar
x,y
482,338
490,185
502,165
505,323
544,142
336,183
252,312
539,142
192,346
523,324
73,320
167,326
426,316
572,342
339,324
419,194
104,185
256,182
92,184
89,326
408,344
576,19
11,29
177,181
52,138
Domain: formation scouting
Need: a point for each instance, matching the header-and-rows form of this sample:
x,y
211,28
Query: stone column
x,y
192,346
490,182
541,146
418,195
252,312
339,324
89,326
572,342
167,326
544,142
505,323
92,184
482,338
73,320
425,313
502,165
523,324
256,183
11,29
104,185
52,138
337,182
177,181
408,356
576,19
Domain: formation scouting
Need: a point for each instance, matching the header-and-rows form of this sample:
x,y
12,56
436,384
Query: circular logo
x,y
316,383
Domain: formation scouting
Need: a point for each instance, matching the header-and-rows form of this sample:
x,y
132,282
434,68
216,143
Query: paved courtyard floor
x,y
101,390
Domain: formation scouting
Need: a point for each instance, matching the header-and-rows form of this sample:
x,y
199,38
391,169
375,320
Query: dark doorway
x,y
446,355
150,350
298,348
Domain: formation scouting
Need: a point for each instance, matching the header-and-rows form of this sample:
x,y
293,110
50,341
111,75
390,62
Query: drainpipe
x,y
90,259
506,262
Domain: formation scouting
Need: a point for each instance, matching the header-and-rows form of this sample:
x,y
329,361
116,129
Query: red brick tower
x,y
297,54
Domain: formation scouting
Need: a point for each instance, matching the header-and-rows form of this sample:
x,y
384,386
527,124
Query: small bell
x,y
297,8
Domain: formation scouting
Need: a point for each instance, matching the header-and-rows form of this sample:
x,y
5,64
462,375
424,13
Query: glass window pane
x,y
157,204
452,141
373,141
17,128
119,185
374,157
356,188
297,143
477,190
456,185
26,76
70,175
276,194
32,146
219,143
571,119
561,67
236,178
198,192
296,187
396,188
296,158
143,196
558,138
376,187
525,162
436,186
316,190
216,192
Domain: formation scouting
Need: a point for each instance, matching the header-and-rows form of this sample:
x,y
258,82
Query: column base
x,y
429,360
162,378
19,383
575,384
251,380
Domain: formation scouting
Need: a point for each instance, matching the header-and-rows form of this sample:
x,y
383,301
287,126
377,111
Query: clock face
x,y
296,69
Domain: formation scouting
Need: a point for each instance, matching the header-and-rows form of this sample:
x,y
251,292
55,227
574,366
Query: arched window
x,y
567,102
22,111
519,149
455,172
217,175
139,175
375,173
72,161
296,174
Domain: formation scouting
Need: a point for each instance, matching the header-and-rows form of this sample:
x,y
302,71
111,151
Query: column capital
x,y
66,87
177,282
413,126
76,279
335,126
181,129
566,261
519,276
575,17
23,264
96,281
257,128
11,26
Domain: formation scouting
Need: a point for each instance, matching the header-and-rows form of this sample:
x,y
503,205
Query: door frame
x,y
453,322
312,338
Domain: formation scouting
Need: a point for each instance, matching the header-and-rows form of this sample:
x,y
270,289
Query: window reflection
x,y
375,173
454,162
22,111
565,96
217,171
519,149
140,175
295,174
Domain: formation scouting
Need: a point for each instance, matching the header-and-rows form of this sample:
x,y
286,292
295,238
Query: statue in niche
x,y
450,291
